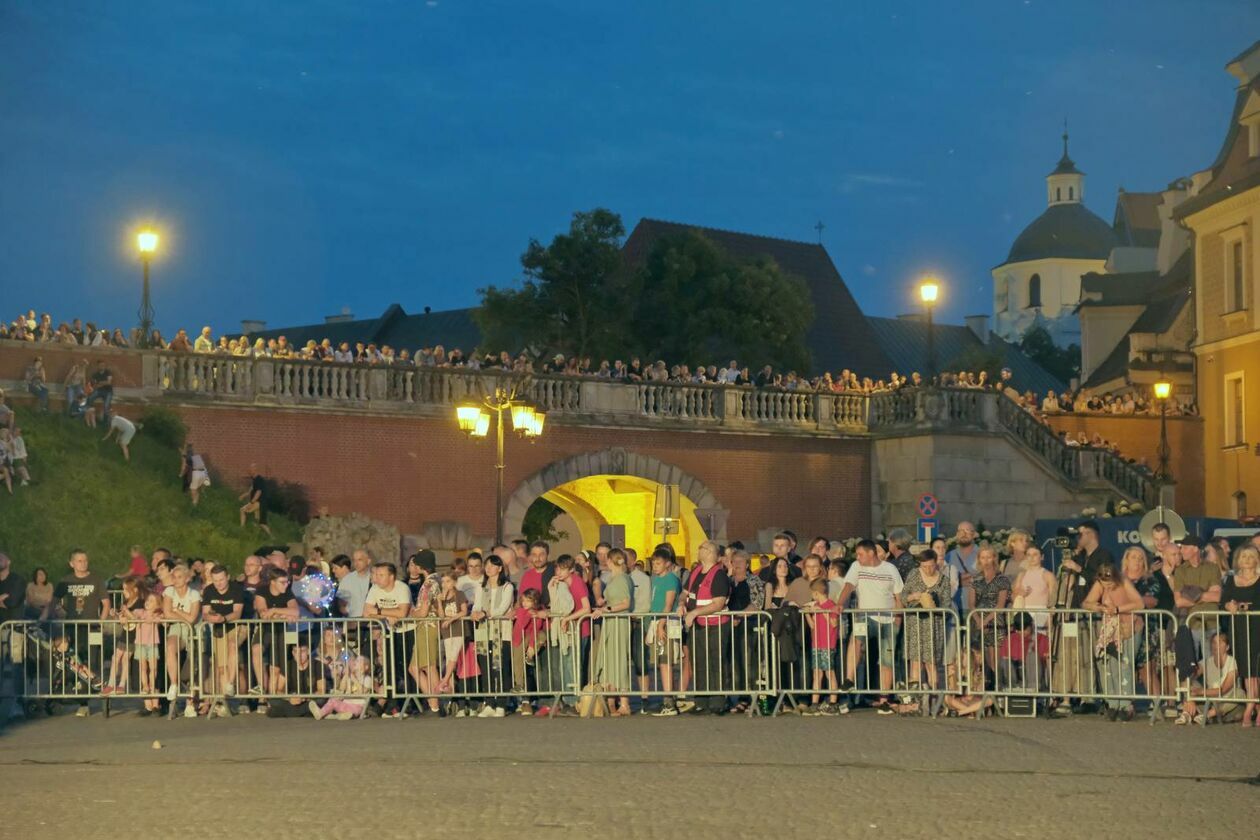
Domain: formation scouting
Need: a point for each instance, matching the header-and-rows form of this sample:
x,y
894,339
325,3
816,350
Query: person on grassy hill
x,y
193,468
255,500
126,431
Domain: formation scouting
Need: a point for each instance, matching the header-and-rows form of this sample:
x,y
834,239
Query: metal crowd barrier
x,y
1217,653
107,660
1051,654
1019,659
462,662
658,656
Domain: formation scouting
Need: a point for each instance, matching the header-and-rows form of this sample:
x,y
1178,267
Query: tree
x,y
696,304
540,520
1063,362
975,359
571,297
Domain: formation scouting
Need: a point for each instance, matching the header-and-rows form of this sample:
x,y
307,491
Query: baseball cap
x,y
1190,540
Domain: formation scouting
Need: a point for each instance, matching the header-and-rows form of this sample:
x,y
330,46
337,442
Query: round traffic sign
x,y
928,506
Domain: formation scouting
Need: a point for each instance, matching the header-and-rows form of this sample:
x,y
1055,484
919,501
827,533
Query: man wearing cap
x,y
1196,586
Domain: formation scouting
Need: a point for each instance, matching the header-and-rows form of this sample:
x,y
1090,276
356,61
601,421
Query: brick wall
x,y
1138,437
412,471
16,355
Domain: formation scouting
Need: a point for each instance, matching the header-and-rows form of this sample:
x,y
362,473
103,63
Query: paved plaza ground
x,y
859,776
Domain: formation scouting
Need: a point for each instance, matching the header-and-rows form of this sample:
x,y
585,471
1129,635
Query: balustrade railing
x,y
304,382
682,402
781,407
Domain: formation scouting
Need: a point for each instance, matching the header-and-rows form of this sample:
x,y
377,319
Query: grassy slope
x,y
85,495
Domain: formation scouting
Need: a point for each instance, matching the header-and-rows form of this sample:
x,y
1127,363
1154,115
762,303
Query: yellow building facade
x,y
1223,216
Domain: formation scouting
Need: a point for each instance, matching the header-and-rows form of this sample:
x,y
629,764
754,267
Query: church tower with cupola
x,y
1039,283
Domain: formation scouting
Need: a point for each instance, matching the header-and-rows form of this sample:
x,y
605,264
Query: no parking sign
x,y
928,523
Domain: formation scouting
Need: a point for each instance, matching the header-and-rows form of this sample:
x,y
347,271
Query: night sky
x,y
307,158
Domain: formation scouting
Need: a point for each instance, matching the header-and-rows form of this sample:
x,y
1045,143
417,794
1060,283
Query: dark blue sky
x,y
302,157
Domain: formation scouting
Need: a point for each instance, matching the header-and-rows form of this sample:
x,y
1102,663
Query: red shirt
x,y
824,632
579,591
139,565
1012,646
526,629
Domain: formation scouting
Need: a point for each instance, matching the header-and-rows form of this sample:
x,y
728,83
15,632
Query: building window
x,y
1034,291
1058,193
1240,505
1236,288
1235,413
1071,193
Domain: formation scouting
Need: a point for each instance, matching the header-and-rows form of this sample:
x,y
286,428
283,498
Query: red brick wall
x,y
1138,437
412,471
16,355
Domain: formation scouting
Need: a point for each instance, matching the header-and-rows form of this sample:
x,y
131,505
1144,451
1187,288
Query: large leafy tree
x,y
696,304
1063,362
572,296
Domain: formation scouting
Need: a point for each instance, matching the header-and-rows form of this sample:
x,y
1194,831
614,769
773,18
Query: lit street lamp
x,y
474,421
929,288
1163,390
147,242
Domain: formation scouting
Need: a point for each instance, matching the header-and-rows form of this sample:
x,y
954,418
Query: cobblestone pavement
x,y
858,776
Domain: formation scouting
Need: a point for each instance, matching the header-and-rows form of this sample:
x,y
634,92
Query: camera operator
x,y
1085,562
1072,669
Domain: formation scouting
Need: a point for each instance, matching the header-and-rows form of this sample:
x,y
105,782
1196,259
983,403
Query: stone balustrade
x,y
190,377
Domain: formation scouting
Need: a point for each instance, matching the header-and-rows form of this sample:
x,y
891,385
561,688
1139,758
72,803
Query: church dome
x,y
1065,231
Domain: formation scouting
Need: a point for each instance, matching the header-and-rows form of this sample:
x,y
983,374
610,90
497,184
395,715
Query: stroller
x,y
48,669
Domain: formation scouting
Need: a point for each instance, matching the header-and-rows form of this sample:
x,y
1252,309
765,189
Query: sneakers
x,y
488,712
684,705
222,710
82,711
316,712
846,686
172,692
543,711
842,708
498,712
190,709
811,710
460,711
1063,710
526,709
341,716
668,710
392,714
883,707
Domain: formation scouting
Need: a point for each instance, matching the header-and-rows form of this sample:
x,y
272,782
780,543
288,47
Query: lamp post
x,y
147,242
1163,390
929,288
474,421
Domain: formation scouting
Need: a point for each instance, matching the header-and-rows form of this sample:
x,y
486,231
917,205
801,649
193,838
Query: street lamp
x,y
474,421
929,288
147,242
1163,390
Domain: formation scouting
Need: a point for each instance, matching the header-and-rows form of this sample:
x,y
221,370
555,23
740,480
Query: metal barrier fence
x,y
1218,656
1053,654
1020,659
659,655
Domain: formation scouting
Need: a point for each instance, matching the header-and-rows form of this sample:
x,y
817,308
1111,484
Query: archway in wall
x,y
616,487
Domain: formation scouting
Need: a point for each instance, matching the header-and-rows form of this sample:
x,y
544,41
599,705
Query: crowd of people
x,y
511,630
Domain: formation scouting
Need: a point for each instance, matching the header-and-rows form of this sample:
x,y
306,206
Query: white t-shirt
x,y
468,587
1215,675
388,599
875,586
187,603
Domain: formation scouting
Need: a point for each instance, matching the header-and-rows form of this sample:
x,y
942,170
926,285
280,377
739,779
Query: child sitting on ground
x,y
346,706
